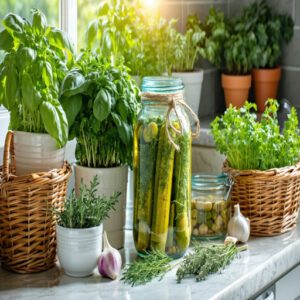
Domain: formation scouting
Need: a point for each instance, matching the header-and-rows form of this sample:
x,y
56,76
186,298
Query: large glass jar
x,y
162,169
210,205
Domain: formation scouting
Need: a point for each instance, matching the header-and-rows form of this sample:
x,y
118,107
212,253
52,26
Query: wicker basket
x,y
270,199
27,224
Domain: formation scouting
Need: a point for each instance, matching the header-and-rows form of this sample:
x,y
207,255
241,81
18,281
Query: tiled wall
x,y
212,99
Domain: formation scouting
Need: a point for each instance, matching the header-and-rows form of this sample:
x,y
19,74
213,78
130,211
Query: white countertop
x,y
266,260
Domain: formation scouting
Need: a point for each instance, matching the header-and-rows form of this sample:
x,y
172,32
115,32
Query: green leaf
x,y
25,57
74,83
124,129
31,98
14,24
59,39
102,105
55,122
39,21
92,32
47,74
6,41
72,106
11,87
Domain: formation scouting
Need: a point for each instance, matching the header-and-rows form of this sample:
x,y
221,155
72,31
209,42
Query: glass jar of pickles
x,y
210,205
162,169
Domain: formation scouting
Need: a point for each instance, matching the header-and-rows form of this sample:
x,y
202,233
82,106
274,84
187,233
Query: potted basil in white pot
x,y
79,229
31,73
103,129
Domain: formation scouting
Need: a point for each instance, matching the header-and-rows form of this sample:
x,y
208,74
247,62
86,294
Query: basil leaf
x,y
102,105
58,39
55,122
124,129
72,107
74,83
92,32
31,98
13,23
11,87
25,57
47,74
39,21
6,41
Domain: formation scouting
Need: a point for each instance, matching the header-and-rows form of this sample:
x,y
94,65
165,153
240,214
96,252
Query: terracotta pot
x,y
265,85
236,89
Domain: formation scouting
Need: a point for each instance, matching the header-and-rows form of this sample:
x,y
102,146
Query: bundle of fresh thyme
x,y
154,264
205,259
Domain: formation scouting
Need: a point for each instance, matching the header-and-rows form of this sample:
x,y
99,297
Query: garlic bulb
x,y
110,261
239,226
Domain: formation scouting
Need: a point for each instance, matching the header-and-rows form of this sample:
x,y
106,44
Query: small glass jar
x,y
162,174
210,205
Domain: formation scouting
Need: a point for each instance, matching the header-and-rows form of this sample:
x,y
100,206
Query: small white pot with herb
x,y
187,49
79,229
104,130
32,70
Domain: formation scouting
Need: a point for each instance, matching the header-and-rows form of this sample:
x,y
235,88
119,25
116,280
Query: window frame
x,y
68,19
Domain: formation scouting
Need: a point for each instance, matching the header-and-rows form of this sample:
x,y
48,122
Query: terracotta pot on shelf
x,y
236,89
265,85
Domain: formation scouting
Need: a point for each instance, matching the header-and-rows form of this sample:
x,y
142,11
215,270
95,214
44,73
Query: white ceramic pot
x,y
111,180
78,249
193,85
36,152
4,123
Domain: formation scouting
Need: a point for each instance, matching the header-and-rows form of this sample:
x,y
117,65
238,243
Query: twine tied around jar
x,y
173,100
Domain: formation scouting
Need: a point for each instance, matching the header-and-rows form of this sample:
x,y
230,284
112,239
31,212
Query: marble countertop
x,y
266,260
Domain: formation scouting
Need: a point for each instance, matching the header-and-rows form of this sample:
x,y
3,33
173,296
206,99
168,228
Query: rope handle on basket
x,y
9,154
173,100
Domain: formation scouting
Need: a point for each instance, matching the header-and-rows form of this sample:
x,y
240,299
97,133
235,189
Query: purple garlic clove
x,y
110,261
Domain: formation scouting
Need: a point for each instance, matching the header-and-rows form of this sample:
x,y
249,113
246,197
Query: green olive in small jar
x,y
210,205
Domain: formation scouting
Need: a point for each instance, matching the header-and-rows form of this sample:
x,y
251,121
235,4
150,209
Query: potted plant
x,y
79,229
125,32
36,60
103,129
271,30
229,48
187,48
264,165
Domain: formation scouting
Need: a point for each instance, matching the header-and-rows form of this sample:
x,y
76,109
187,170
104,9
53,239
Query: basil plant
x,y
37,57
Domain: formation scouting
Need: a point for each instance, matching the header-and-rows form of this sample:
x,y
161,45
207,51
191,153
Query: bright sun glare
x,y
150,4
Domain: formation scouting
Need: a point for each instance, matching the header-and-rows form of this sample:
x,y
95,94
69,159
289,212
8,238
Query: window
x,y
86,12
23,8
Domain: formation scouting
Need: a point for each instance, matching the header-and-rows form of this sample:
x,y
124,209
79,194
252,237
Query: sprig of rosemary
x,y
205,259
154,264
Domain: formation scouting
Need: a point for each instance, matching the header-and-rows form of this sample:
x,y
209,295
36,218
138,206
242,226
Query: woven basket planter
x,y
27,223
270,199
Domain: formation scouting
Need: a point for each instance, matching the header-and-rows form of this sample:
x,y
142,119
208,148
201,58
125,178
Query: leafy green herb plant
x,y
87,209
126,32
37,57
269,31
250,144
187,46
107,104
227,46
